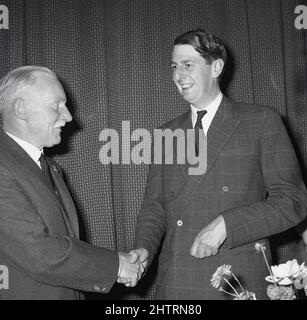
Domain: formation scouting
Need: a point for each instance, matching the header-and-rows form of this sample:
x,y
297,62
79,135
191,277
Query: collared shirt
x,y
211,111
31,150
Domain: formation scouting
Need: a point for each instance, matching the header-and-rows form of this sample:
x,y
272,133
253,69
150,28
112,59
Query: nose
x,y
179,73
66,114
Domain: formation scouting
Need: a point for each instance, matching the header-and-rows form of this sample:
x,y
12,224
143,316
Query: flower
x,y
220,275
288,269
285,273
246,295
259,246
280,292
300,282
287,278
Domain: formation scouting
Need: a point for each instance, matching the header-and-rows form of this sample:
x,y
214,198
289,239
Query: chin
x,y
57,141
187,100
187,97
54,142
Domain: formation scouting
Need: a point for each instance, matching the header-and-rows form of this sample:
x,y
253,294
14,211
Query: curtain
x,y
113,59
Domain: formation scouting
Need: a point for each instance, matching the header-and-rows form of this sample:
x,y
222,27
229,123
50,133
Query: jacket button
x,y
179,223
225,188
99,287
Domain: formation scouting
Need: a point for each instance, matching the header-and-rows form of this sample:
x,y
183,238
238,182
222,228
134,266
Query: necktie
x,y
198,126
46,169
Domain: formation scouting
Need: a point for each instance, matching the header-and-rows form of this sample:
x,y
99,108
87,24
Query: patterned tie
x,y
198,126
46,169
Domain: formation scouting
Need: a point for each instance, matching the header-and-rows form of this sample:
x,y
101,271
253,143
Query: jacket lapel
x,y
23,159
68,207
32,170
222,127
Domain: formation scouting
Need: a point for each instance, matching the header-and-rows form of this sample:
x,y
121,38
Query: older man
x,y
39,232
252,187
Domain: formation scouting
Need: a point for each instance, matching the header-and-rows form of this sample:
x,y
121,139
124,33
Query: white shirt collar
x,y
211,111
31,150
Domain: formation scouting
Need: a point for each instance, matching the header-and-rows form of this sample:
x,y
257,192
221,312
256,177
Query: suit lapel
x,y
32,170
221,129
23,159
69,210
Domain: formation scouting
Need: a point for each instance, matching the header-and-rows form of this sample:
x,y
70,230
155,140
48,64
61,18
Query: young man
x,y
252,187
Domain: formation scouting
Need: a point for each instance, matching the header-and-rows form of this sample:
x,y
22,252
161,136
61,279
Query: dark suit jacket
x,y
252,179
39,234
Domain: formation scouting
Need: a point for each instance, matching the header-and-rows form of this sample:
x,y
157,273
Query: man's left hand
x,y
209,239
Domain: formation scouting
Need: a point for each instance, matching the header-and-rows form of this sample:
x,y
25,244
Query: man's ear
x,y
19,109
217,68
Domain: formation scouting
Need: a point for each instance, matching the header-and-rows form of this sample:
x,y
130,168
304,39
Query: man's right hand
x,y
140,255
130,273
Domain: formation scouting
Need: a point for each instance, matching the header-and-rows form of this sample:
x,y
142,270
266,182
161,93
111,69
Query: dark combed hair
x,y
208,45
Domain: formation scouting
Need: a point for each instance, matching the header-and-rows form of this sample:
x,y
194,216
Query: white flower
x,y
259,246
287,270
284,273
219,275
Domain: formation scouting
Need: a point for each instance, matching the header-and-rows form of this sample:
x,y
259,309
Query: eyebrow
x,y
183,61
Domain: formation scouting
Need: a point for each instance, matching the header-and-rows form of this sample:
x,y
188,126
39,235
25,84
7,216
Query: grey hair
x,y
19,78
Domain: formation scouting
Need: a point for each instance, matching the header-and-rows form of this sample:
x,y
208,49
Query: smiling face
x,y
46,111
195,79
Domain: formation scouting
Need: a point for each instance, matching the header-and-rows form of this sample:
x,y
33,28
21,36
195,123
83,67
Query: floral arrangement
x,y
285,280
223,274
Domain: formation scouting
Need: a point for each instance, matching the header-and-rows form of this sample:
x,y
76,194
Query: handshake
x,y
132,266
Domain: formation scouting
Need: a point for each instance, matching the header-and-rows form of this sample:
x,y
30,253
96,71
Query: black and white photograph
x,y
153,150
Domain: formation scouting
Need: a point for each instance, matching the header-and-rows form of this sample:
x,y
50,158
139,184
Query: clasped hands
x,y
132,266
